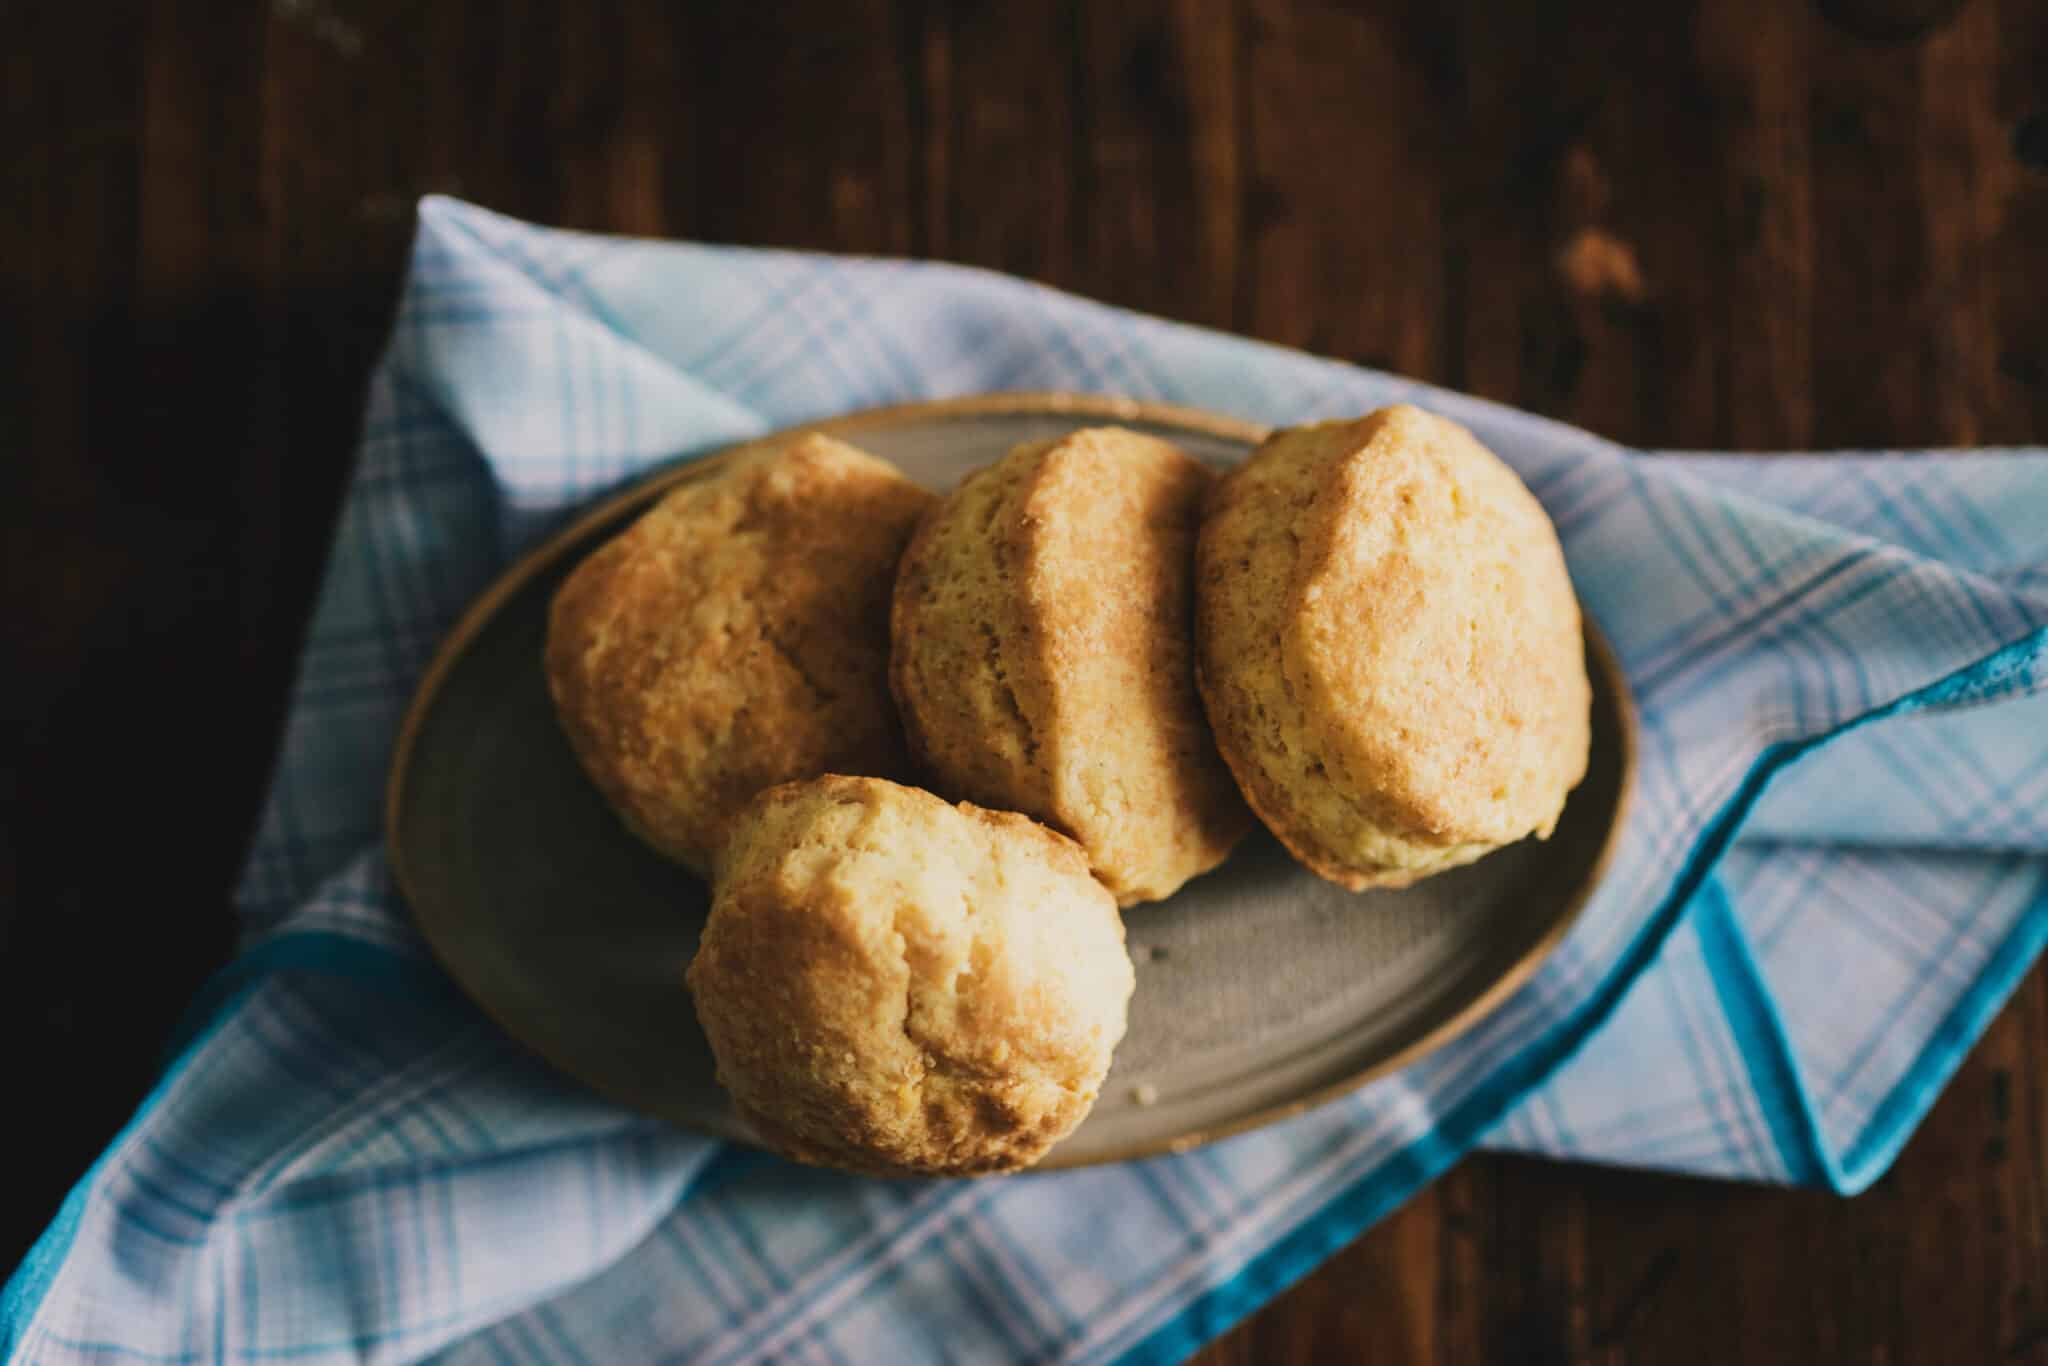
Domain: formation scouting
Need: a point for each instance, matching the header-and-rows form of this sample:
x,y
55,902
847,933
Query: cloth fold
x,y
1835,870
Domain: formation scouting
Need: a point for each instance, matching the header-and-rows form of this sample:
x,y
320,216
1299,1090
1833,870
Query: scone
x,y
894,985
736,636
1042,655
1390,649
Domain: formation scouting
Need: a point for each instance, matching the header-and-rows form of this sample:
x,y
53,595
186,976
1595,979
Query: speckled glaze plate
x,y
1262,990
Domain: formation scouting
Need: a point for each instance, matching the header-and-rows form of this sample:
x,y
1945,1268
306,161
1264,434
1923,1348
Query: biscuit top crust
x,y
735,636
1044,654
893,983
1429,688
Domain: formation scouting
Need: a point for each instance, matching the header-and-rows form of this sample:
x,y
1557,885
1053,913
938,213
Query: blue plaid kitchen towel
x,y
1836,869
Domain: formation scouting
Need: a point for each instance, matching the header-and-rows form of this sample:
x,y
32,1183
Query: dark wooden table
x,y
1762,225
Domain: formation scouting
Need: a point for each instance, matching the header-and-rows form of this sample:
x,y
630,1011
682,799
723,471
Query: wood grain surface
x,y
1768,225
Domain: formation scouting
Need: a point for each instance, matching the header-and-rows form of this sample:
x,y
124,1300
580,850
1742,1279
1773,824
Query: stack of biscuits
x,y
927,750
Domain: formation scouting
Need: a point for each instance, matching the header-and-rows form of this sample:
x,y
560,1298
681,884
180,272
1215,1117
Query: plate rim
x,y
647,487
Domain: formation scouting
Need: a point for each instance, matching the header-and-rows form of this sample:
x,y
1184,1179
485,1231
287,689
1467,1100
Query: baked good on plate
x,y
734,637
1043,655
893,984
1390,649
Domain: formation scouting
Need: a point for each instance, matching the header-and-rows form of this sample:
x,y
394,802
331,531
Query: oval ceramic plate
x,y
1262,990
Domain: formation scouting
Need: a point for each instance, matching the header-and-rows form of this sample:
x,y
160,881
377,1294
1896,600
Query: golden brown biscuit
x,y
1043,655
894,985
1391,652
734,637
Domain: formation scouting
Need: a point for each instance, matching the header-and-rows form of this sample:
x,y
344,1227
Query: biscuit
x,y
1390,649
1042,655
894,985
734,637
